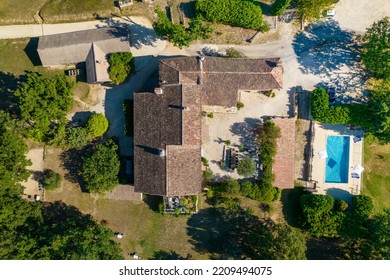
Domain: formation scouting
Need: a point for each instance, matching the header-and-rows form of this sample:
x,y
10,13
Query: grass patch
x,y
72,10
376,176
18,12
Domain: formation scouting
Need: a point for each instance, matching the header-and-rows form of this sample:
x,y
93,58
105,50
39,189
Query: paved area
x,y
337,190
124,192
358,15
31,185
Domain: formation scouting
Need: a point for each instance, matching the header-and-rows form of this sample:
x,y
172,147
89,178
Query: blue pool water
x,y
337,162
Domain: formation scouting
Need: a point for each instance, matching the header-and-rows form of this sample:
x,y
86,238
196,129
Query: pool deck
x,y
337,190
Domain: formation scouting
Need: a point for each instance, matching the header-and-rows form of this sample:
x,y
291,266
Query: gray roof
x,y
73,47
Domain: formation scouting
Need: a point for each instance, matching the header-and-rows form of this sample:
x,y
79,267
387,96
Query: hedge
x,y
341,114
240,13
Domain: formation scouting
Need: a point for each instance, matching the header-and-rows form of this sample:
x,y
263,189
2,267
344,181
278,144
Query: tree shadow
x,y
247,132
137,35
338,193
169,255
31,51
324,47
188,9
324,249
291,206
8,85
153,201
265,8
72,162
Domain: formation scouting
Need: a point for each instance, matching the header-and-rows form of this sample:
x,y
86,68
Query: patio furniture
x,y
355,176
312,184
358,169
357,139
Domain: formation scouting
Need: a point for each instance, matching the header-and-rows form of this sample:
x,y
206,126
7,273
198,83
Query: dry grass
x,y
20,12
376,176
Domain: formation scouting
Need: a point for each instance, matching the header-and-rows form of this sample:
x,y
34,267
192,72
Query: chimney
x,y
158,91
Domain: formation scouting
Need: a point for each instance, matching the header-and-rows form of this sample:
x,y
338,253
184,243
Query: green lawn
x,y
20,11
376,176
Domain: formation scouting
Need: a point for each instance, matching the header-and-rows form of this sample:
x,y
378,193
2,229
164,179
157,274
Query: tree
x,y
246,14
97,125
362,206
13,152
319,217
177,33
246,167
379,110
377,244
208,174
376,50
311,9
121,66
279,6
43,104
76,137
51,180
101,169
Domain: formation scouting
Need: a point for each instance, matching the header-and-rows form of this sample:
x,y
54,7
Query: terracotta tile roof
x,y
171,121
283,167
184,170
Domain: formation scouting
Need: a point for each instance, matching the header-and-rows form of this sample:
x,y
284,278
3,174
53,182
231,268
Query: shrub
x,y
240,105
246,14
246,188
233,53
177,33
362,206
51,180
208,174
279,6
121,66
210,115
232,186
228,142
76,137
204,161
97,125
340,205
246,167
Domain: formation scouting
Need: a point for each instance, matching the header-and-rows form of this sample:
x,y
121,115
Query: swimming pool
x,y
337,162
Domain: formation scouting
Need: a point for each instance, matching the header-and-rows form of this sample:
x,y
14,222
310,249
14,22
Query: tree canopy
x,y
97,125
177,33
43,103
311,9
246,14
13,152
279,6
101,169
376,49
121,66
246,167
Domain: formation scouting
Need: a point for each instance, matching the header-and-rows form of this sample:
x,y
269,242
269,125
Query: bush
x,y
246,14
204,161
246,167
240,105
362,206
121,66
279,6
340,205
232,186
97,125
322,112
208,174
51,180
210,115
233,53
228,142
76,137
177,33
